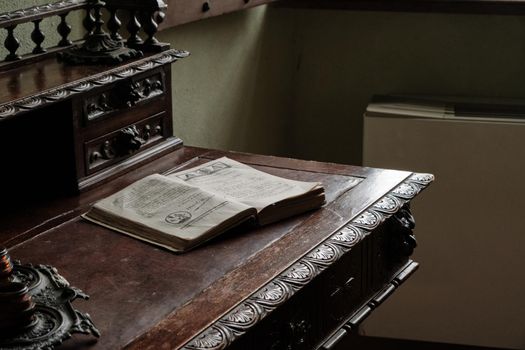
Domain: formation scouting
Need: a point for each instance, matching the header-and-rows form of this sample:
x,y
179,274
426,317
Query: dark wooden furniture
x,y
78,122
290,285
71,135
85,123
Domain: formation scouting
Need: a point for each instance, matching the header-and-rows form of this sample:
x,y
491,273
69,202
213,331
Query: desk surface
x,y
145,297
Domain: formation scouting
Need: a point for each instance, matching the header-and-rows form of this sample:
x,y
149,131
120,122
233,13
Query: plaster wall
x,y
234,91
468,288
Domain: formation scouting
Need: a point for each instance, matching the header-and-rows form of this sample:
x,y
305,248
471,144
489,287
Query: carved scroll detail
x,y
276,292
124,142
55,320
15,107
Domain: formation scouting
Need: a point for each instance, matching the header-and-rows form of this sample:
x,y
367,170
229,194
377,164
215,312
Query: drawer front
x,y
313,312
123,95
391,246
125,142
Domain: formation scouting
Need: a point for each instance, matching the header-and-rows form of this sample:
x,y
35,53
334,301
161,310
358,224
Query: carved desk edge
x,y
233,324
61,93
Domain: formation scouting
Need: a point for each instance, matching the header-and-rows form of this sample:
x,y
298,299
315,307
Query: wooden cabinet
x,y
107,120
122,123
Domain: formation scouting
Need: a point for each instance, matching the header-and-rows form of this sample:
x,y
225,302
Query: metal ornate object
x,y
99,47
275,293
48,296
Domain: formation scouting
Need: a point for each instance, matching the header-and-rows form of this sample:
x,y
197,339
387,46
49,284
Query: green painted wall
x,y
234,91
345,57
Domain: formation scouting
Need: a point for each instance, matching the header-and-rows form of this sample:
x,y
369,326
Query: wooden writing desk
x,y
71,135
289,285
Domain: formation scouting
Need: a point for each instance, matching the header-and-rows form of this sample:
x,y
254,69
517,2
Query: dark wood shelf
x,y
503,7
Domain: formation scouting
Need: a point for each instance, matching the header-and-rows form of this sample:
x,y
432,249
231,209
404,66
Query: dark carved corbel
x,y
127,94
406,240
128,141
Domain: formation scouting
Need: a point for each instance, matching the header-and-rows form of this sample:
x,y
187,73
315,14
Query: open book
x,y
183,209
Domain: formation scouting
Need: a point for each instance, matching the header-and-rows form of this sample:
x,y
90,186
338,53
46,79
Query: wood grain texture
x,y
501,7
139,290
49,81
49,210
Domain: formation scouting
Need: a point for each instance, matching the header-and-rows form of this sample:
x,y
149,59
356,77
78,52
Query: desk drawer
x,y
125,142
123,95
313,312
391,246
124,123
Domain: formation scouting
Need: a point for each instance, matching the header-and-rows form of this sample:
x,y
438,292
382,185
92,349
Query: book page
x,y
238,182
170,207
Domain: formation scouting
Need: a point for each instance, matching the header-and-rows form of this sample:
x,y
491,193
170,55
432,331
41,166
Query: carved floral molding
x,y
16,107
257,306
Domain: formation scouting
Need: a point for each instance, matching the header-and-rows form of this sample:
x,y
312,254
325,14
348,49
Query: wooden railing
x,y
145,15
10,20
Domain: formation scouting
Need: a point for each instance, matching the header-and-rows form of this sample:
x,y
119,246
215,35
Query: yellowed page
x,y
170,207
238,182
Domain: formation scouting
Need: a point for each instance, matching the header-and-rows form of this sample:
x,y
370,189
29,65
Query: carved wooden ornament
x,y
275,293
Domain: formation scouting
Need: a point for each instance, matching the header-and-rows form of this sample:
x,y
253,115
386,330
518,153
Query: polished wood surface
x,y
139,290
47,74
493,7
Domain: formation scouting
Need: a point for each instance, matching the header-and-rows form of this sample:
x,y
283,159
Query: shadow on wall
x,y
233,92
346,57
296,82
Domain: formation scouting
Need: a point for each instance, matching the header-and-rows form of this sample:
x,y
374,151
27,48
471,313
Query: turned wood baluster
x,y
11,44
99,22
133,29
89,23
114,25
64,29
150,28
38,37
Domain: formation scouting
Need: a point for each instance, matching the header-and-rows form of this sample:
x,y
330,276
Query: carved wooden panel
x,y
67,91
123,95
277,294
311,313
113,147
